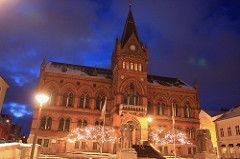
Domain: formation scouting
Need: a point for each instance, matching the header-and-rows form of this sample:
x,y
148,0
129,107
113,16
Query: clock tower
x,y
129,66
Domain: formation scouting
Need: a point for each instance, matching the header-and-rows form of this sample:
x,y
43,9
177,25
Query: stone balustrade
x,y
136,109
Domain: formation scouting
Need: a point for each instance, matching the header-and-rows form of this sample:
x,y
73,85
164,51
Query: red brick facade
x,y
75,92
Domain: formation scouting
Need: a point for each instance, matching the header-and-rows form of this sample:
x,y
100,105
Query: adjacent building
x,y
77,94
228,133
5,126
3,88
206,122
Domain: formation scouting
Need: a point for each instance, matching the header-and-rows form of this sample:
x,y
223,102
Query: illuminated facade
x,y
77,94
206,122
228,133
3,88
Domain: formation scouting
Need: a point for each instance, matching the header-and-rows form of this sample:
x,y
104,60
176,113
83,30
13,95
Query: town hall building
x,y
77,95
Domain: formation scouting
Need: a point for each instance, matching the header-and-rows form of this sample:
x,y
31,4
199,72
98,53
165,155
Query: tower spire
x,y
195,84
130,27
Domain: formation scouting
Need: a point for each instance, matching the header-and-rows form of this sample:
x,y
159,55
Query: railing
x,y
136,109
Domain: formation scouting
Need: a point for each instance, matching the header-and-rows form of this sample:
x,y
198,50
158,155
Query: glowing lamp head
x,y
149,120
41,98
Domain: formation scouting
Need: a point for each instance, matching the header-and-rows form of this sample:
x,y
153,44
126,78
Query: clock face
x,y
122,76
132,47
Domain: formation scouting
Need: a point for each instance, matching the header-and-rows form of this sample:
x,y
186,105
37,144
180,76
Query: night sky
x,y
187,39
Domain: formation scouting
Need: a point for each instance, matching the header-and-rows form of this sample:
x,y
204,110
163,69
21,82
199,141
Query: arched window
x,y
43,123
96,123
65,99
135,67
68,99
140,67
98,102
124,65
67,124
53,98
79,123
131,66
81,101
161,109
131,102
61,124
101,123
149,107
125,98
192,134
188,133
174,109
190,111
185,111
127,65
84,123
103,101
87,101
137,99
49,123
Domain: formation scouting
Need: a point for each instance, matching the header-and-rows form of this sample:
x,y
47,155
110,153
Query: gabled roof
x,y
233,112
213,113
129,29
69,69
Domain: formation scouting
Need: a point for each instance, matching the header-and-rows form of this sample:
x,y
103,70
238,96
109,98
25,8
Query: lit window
x,y
135,66
140,67
127,65
161,109
131,66
124,65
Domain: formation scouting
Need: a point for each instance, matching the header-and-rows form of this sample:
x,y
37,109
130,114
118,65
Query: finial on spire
x,y
130,3
146,45
195,84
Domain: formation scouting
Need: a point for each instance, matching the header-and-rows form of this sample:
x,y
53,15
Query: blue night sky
x,y
186,39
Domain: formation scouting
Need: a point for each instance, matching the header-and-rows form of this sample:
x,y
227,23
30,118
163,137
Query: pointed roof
x,y
129,28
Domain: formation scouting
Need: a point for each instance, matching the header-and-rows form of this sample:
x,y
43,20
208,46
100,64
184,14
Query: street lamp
x,y
149,128
41,98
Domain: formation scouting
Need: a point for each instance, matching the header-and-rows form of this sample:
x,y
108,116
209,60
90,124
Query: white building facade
x,y
228,133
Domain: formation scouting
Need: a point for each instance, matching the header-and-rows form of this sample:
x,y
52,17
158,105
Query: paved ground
x,y
79,155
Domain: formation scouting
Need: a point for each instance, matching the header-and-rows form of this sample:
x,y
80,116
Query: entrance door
x,y
61,146
136,133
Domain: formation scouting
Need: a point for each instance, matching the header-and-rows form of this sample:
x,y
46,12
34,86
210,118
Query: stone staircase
x,y
146,151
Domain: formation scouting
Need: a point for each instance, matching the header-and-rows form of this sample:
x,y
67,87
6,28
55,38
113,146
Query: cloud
x,y
18,110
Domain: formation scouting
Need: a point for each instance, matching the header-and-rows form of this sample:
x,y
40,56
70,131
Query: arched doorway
x,y
136,134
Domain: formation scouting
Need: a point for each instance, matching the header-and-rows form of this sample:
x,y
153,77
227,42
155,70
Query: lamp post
x,y
121,116
41,98
149,128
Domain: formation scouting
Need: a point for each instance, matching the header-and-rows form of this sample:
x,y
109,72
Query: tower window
x,y
135,67
124,65
127,65
131,66
140,67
